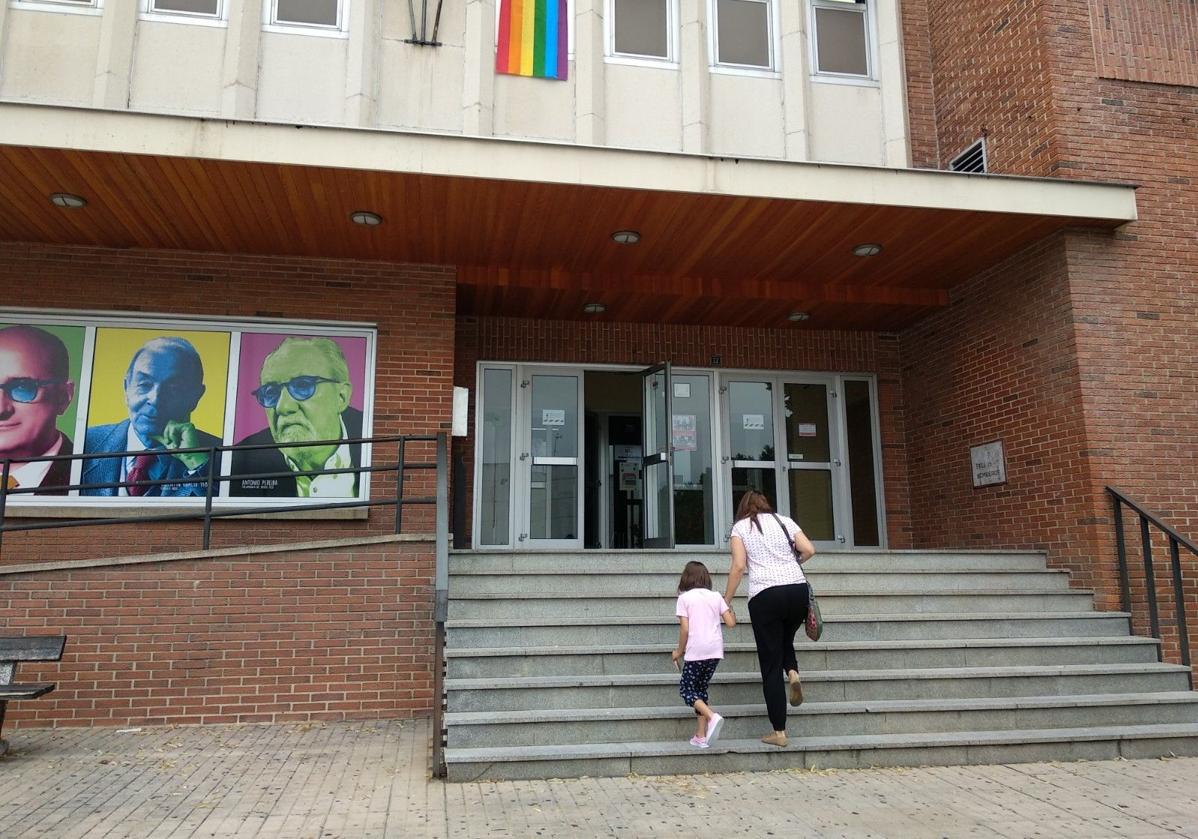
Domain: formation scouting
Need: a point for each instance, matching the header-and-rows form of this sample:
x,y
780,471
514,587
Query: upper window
x,y
642,29
744,33
328,15
89,7
199,10
841,38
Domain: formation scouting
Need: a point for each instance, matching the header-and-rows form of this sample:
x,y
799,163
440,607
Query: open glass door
x,y
656,462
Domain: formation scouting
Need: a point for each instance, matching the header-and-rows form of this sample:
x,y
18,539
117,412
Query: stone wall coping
x,y
213,553
94,511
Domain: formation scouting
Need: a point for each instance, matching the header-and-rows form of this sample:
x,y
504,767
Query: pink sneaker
x,y
713,728
699,742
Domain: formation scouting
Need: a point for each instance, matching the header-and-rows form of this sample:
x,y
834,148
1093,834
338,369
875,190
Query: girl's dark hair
x,y
694,575
752,504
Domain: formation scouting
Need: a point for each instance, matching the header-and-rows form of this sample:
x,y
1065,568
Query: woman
x,y
778,595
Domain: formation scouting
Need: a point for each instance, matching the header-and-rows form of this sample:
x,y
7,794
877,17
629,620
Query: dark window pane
x,y
840,42
195,7
320,12
808,437
640,27
744,36
496,457
862,484
762,480
811,503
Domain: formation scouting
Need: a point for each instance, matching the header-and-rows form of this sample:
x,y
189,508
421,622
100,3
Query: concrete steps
x,y
504,662
824,719
858,752
558,665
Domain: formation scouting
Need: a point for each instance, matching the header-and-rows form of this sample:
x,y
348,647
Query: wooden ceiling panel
x,y
531,249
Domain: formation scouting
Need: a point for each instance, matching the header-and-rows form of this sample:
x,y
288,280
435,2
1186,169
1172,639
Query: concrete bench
x,y
14,650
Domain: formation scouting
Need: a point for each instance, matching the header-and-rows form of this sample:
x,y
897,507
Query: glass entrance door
x,y
750,459
554,438
813,473
657,457
782,438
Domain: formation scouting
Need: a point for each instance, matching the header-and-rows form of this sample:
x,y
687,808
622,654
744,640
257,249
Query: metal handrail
x,y
1176,542
212,480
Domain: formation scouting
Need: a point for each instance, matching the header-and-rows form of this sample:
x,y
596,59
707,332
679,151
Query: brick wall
x,y
604,342
413,307
1001,364
990,69
1121,398
297,635
921,88
1146,42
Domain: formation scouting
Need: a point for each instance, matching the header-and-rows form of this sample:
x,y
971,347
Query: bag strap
x,y
790,539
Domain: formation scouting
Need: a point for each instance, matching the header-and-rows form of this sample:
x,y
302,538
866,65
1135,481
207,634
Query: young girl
x,y
701,645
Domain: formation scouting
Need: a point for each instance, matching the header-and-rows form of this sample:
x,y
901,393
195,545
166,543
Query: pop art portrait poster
x,y
297,388
157,391
40,374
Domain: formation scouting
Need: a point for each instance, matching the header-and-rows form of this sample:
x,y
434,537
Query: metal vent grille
x,y
973,159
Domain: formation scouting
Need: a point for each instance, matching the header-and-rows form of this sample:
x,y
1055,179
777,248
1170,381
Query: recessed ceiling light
x,y
66,199
867,249
796,317
626,237
366,217
594,308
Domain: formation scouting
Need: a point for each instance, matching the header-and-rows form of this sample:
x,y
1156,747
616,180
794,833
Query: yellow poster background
x,y
114,350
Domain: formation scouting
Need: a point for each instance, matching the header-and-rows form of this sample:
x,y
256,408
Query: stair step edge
x,y
591,751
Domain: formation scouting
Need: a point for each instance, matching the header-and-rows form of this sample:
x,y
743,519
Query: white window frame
x,y
774,70
66,7
221,18
569,29
270,22
868,10
670,61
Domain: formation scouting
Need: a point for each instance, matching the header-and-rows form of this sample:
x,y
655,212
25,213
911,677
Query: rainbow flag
x,y
532,38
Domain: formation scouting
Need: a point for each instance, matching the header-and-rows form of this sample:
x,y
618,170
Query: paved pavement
x,y
370,780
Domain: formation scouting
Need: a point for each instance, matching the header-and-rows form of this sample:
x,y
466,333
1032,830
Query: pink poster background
x,y
249,417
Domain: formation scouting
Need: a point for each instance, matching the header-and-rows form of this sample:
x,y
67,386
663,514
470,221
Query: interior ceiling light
x,y
66,199
366,217
867,249
626,237
796,317
594,308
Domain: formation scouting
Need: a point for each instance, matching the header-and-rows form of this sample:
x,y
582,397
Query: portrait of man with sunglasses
x,y
35,390
162,386
305,390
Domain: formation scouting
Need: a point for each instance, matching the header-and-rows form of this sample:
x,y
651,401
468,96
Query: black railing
x,y
1176,542
209,476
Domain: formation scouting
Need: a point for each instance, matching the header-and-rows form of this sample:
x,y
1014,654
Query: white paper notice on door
x,y
754,422
807,429
553,416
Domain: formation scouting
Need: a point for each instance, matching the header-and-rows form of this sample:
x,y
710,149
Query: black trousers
x,y
776,614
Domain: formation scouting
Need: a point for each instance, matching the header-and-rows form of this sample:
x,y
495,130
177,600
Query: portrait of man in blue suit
x,y
163,385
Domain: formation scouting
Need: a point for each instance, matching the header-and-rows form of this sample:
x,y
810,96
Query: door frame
x,y
526,459
842,491
721,490
662,455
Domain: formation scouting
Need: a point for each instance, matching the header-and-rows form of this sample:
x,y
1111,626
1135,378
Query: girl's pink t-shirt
x,y
702,608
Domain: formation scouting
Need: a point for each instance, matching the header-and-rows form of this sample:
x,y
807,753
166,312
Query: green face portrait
x,y
316,417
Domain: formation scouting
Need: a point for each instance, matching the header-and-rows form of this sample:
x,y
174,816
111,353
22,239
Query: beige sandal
x,y
775,738
796,690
